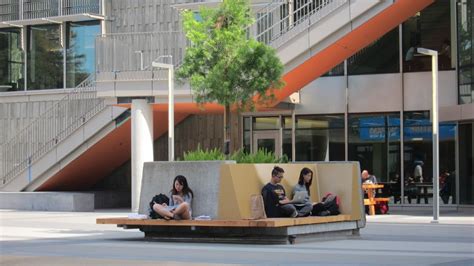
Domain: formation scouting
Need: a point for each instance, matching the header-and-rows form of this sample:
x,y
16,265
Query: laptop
x,y
299,197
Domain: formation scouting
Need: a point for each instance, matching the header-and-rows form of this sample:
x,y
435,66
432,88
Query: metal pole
x,y
171,114
435,130
435,139
170,68
291,18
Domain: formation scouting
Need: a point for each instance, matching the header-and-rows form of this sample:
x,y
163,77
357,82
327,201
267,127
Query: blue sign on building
x,y
373,129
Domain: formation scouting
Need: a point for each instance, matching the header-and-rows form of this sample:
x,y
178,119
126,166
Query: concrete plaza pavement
x,y
66,238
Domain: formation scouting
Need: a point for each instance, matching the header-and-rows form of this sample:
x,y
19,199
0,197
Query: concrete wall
x,y
47,201
204,181
407,91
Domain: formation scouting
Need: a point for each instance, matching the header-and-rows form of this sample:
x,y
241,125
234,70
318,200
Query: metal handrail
x,y
277,22
136,51
13,10
49,129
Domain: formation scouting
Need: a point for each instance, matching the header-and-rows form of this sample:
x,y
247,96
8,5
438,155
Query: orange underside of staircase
x,y
114,150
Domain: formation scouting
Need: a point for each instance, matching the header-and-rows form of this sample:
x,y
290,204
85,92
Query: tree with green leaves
x,y
224,65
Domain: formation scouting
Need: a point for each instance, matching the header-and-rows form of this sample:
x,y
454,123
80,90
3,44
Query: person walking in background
x,y
445,55
418,171
445,186
274,197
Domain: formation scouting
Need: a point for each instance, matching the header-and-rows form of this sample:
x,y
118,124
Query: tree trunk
x,y
227,130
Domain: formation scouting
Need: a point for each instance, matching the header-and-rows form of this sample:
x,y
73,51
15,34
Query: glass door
x,y
268,140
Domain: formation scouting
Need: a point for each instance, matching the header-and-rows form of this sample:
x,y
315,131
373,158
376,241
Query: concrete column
x,y
142,145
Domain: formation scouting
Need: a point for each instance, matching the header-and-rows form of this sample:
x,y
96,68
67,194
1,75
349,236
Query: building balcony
x,y
30,12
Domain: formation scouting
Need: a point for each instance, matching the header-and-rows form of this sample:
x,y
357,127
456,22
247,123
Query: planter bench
x,y
222,190
263,231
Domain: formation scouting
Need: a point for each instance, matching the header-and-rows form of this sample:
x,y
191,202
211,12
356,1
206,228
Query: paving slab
x,y
65,238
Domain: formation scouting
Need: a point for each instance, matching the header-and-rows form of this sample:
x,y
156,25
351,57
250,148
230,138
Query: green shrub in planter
x,y
204,155
240,156
261,156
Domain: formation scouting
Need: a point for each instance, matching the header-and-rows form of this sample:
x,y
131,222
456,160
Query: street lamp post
x,y
435,127
170,68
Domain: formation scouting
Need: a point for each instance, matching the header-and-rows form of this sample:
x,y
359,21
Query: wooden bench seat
x,y
375,200
263,231
269,222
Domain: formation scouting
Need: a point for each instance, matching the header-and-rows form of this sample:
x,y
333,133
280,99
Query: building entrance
x,y
268,140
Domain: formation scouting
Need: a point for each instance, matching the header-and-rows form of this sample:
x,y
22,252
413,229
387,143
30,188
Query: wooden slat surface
x,y
382,199
270,222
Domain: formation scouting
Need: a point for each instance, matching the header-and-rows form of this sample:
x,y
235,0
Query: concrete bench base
x,y
264,231
253,235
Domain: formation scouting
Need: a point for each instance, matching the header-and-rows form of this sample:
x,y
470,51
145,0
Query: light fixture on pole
x,y
170,68
435,129
141,59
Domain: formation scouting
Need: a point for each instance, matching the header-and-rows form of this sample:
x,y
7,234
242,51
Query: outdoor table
x,y
423,191
370,201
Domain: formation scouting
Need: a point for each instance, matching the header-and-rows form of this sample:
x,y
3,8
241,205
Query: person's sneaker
x,y
324,213
304,214
294,214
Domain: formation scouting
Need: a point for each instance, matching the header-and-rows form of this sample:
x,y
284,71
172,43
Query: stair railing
x,y
278,22
49,129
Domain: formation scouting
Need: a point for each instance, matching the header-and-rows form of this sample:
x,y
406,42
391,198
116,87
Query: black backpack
x,y
329,206
159,199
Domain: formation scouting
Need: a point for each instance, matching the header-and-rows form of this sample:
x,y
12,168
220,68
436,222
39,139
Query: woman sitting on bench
x,y
179,206
304,207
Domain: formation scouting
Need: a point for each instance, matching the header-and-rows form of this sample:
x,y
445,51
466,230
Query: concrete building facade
x,y
68,61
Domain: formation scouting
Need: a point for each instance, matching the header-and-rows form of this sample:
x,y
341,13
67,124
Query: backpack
x,y
328,206
381,208
159,199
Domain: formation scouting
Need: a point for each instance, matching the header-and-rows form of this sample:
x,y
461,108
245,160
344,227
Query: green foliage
x,y
204,155
261,156
221,63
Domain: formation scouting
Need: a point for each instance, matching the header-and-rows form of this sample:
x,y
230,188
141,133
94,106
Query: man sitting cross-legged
x,y
274,197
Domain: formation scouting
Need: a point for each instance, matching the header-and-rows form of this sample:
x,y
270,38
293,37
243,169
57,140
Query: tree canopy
x,y
222,63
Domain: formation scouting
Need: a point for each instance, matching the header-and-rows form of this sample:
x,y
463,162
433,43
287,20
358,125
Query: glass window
x,y
246,123
447,163
466,163
11,60
418,154
374,141
286,147
429,28
319,138
247,141
418,158
80,53
246,134
465,20
287,141
265,123
370,61
335,71
45,57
